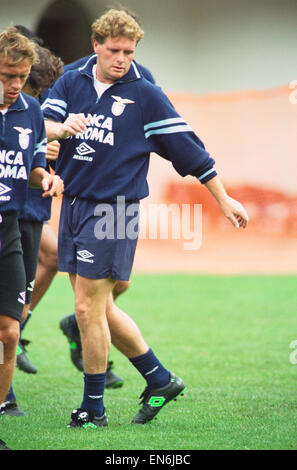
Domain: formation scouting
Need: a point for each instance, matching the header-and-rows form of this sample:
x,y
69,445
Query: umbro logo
x,y
22,297
83,152
85,255
4,189
31,286
84,149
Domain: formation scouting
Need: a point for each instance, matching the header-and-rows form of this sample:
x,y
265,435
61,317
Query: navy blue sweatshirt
x,y
131,119
22,148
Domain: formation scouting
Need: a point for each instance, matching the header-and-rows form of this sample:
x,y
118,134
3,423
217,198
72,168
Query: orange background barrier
x,y
252,136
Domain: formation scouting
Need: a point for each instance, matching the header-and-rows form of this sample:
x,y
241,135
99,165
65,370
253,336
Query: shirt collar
x,y
20,104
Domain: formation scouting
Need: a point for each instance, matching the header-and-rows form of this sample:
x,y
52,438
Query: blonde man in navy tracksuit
x,y
109,119
22,160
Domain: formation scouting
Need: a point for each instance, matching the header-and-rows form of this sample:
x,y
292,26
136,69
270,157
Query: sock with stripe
x,y
93,393
151,369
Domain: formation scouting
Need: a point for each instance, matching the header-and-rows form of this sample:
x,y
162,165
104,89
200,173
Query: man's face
x,y
114,58
13,77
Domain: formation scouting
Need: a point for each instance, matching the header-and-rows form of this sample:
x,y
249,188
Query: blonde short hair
x,y
116,23
16,47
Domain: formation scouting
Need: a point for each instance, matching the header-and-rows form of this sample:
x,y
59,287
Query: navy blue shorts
x,y
98,240
12,270
30,237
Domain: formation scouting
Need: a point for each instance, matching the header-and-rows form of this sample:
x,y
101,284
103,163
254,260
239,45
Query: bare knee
x,y
49,259
9,334
82,314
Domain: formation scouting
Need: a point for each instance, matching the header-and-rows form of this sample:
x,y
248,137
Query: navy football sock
x,y
93,393
151,369
22,326
10,396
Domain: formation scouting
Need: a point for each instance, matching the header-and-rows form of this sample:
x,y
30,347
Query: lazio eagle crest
x,y
119,105
23,137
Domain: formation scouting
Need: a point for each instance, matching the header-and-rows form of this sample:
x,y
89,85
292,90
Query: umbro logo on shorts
x,y
31,286
85,255
22,297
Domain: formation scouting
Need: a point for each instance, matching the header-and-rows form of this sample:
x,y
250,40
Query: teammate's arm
x,y
51,184
73,125
52,151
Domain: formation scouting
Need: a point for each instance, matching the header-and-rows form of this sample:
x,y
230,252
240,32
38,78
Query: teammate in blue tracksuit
x,y
22,159
31,217
109,119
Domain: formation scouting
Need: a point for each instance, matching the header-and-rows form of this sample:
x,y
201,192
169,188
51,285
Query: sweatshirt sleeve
x,y
55,106
169,135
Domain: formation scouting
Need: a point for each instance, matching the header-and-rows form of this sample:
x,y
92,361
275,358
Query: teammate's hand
x,y
74,124
52,185
53,149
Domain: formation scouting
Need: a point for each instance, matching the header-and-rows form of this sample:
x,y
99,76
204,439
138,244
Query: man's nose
x,y
121,57
16,83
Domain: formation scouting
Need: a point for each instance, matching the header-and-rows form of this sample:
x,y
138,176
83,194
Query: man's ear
x,y
96,46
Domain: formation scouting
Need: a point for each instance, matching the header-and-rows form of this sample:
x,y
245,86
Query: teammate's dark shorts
x,y
30,238
98,240
12,270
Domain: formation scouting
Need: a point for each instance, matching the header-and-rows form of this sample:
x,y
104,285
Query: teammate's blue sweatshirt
x,y
22,148
131,119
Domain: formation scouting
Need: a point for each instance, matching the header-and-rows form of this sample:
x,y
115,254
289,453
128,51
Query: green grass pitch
x,y
229,338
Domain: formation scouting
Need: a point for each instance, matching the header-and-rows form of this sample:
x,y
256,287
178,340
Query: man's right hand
x,y
74,124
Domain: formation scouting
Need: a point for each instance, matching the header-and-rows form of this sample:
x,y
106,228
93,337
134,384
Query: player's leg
x,y
161,385
47,264
30,239
90,306
91,297
12,297
125,334
69,326
9,336
84,213
119,288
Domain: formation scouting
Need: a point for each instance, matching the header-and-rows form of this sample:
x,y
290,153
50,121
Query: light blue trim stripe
x,y
136,70
41,146
55,108
60,103
206,174
168,130
24,101
165,122
84,66
40,150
